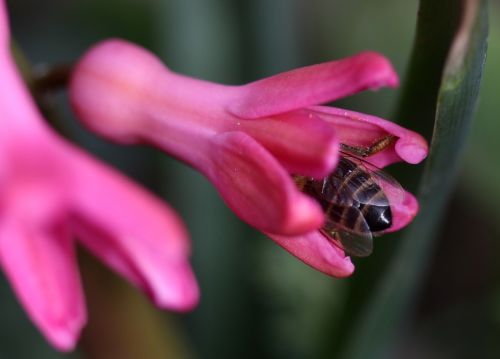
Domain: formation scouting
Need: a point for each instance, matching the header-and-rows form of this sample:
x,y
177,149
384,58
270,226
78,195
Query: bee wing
x,y
348,229
356,245
375,180
353,244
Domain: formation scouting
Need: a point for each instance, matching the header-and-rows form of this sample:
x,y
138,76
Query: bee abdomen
x,y
351,199
378,218
366,195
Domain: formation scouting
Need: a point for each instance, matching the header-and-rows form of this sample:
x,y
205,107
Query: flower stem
x,y
50,78
42,84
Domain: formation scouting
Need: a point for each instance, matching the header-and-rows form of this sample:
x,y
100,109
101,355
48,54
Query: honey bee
x,y
355,198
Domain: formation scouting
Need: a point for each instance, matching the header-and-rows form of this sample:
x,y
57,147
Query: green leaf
x,y
377,324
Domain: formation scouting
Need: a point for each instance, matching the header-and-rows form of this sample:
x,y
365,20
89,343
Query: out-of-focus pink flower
x,y
248,139
52,193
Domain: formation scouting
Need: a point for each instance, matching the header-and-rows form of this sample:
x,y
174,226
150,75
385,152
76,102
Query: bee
x,y
355,199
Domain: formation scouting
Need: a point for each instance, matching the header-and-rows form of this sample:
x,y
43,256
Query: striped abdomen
x,y
351,198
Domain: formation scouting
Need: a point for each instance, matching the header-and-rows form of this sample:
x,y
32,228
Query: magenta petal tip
x,y
64,338
380,69
305,214
404,212
412,152
181,293
317,251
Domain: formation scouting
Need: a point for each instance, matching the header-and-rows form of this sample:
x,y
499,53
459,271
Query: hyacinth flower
x,y
248,140
52,194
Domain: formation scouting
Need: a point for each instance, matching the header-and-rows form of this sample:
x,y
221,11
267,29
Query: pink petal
x,y
313,85
135,234
258,189
300,141
41,266
358,129
318,252
403,212
4,26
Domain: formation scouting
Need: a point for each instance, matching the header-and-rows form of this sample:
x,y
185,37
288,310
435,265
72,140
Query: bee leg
x,y
332,235
372,149
300,181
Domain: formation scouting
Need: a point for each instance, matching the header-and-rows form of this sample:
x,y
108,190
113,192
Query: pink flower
x,y
52,193
248,139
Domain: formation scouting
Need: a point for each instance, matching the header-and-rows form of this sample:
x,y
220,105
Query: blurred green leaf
x,y
378,323
484,147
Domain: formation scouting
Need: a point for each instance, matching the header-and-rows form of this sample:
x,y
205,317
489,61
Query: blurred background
x,y
257,300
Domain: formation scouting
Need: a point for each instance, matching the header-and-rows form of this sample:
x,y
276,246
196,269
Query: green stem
x,y
42,84
50,79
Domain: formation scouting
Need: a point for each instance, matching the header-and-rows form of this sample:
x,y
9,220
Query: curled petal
x,y
41,266
403,212
358,129
258,189
300,141
313,85
318,252
135,234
